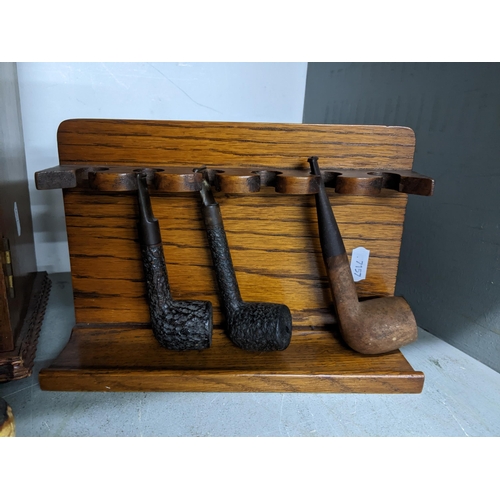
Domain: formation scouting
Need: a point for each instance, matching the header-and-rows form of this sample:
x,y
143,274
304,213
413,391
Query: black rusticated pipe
x,y
177,325
253,326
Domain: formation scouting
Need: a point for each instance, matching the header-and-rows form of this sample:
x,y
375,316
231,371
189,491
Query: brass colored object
x,y
7,263
373,326
7,423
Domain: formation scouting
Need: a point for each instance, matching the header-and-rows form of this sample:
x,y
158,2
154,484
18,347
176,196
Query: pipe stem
x,y
345,296
221,256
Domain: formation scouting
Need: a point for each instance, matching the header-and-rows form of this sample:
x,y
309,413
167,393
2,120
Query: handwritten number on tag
x,y
359,263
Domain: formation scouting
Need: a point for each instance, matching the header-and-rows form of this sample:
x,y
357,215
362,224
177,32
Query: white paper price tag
x,y
359,263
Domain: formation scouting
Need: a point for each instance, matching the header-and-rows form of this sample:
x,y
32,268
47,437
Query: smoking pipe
x,y
253,326
177,325
373,326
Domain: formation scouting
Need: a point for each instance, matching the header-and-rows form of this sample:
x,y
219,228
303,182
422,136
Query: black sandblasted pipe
x,y
177,325
372,326
253,326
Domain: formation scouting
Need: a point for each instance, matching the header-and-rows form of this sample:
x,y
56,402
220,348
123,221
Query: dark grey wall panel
x,y
450,257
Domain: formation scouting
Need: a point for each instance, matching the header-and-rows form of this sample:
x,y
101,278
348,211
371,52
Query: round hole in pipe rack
x,y
214,179
330,176
390,180
267,177
147,170
82,173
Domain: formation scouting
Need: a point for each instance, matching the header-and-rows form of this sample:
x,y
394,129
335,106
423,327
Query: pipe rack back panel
x,y
261,180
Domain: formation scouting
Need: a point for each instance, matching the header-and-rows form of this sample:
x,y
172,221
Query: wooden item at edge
x,y
274,244
18,363
7,423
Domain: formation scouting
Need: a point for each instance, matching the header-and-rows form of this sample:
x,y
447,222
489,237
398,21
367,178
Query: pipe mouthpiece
x,y
207,196
149,229
313,163
331,241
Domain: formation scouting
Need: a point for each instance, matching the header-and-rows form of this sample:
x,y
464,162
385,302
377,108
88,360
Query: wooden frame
x,y
272,232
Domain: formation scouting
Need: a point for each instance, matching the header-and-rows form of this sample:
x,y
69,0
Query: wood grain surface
x,y
157,143
125,359
274,245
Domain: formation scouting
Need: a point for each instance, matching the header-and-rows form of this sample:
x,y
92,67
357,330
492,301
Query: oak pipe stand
x,y
260,178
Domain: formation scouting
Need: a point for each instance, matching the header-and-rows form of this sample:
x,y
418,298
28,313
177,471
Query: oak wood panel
x,y
115,142
125,359
274,245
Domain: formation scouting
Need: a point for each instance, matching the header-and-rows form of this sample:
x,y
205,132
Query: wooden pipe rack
x,y
261,180
181,179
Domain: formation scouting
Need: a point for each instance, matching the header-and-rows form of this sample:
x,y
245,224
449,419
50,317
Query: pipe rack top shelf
x,y
102,155
180,179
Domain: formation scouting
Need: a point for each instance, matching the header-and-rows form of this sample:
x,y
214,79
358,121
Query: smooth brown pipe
x,y
373,326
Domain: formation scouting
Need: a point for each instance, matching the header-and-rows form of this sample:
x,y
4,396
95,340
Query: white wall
x,y
53,92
